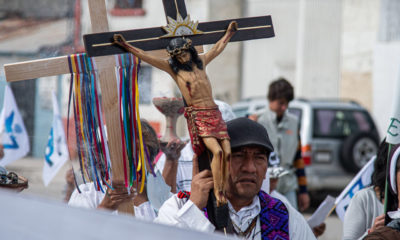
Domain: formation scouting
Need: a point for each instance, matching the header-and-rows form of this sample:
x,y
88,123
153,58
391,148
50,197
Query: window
x,y
330,123
128,8
298,113
128,4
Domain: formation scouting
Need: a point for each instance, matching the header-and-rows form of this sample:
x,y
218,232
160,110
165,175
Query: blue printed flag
x,y
360,181
57,150
13,133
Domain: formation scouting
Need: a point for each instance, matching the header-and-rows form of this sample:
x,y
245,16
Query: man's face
x,y
184,57
279,106
247,172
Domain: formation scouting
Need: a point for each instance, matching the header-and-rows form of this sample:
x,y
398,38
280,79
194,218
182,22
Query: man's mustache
x,y
245,177
187,66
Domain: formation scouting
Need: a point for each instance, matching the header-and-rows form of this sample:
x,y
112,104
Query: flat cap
x,y
245,132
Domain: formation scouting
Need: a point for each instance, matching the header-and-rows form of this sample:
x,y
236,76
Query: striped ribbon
x,y
136,158
93,152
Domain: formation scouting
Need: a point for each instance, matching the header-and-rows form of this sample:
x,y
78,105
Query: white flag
x,y
360,181
57,150
393,131
13,133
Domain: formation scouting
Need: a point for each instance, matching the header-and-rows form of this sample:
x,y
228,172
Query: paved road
x,y
32,170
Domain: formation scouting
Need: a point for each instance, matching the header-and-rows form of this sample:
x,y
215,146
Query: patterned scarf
x,y
274,216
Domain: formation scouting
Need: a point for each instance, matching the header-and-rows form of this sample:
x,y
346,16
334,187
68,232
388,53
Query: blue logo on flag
x,y
50,148
17,129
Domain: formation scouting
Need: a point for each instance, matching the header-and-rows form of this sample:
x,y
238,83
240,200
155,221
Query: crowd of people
x,y
266,186
258,209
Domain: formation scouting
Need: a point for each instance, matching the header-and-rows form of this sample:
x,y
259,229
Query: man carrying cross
x,y
253,214
206,127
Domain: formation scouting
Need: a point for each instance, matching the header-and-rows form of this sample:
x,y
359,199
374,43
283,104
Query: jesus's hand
x,y
120,40
233,27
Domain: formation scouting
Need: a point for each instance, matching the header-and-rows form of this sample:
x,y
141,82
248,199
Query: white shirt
x,y
184,213
360,215
91,198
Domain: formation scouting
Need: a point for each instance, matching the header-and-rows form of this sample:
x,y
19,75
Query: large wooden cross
x,y
108,84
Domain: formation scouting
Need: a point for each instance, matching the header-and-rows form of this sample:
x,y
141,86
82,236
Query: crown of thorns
x,y
178,50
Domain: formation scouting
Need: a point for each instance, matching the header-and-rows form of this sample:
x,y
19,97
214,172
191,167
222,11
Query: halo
x,y
181,27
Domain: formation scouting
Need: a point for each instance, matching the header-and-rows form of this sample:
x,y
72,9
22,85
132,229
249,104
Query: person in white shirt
x,y
253,214
365,214
112,198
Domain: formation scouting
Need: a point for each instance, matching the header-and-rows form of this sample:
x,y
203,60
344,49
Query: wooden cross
x,y
108,84
101,44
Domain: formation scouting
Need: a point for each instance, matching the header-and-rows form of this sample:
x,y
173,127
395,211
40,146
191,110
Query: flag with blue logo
x,y
13,133
56,150
360,181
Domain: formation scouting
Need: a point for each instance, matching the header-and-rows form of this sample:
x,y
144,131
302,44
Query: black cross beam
x,y
101,44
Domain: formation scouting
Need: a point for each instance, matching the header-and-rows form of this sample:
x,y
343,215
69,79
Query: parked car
x,y
338,138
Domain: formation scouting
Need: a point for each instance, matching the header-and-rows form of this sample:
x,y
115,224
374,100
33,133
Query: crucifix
x,y
148,39
206,128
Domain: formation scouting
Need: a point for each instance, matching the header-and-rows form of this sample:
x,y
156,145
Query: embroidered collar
x,y
243,218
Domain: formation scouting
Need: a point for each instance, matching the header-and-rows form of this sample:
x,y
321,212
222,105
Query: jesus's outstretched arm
x,y
154,61
221,44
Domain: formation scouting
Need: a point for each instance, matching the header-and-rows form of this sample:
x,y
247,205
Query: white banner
x,y
13,133
57,150
360,181
393,131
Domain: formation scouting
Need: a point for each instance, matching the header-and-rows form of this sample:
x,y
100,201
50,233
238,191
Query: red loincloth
x,y
204,122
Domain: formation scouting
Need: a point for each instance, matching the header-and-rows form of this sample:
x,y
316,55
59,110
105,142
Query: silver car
x,y
338,138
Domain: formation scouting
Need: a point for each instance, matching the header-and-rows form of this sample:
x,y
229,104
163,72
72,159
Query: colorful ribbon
x,y
93,152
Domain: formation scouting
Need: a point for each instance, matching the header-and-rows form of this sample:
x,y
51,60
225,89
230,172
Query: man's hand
x,y
69,178
304,201
116,197
202,183
378,223
319,230
173,149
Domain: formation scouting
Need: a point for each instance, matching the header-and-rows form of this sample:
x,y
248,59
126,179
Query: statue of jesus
x,y
205,123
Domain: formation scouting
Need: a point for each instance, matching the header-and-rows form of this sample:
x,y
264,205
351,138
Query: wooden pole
x,y
108,85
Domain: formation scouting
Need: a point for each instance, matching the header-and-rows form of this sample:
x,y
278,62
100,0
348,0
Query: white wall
x,y
266,59
318,51
386,71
